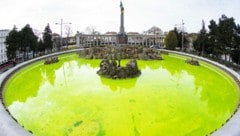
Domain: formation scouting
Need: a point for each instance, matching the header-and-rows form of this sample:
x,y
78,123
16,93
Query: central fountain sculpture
x,y
110,69
112,54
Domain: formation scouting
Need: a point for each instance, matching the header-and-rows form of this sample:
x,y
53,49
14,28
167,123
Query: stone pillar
x,y
122,38
93,40
83,41
135,40
122,19
112,40
78,40
101,40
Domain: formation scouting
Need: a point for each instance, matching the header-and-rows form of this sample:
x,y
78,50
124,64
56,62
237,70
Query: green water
x,y
170,98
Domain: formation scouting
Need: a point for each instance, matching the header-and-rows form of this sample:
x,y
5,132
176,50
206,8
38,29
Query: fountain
x,y
170,97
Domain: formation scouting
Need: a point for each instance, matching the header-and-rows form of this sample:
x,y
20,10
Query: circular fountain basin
x,y
169,98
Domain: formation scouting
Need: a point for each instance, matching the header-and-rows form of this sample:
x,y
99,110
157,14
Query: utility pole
x,y
182,34
182,27
61,24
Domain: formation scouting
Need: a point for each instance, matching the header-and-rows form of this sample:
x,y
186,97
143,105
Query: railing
x,y
6,66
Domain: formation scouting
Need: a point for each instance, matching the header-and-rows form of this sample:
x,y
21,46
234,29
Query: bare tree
x,y
37,33
68,33
91,30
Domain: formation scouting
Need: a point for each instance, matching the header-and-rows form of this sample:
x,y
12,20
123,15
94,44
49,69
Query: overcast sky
x,y
104,15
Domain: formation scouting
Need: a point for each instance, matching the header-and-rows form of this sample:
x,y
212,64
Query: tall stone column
x,y
122,38
122,19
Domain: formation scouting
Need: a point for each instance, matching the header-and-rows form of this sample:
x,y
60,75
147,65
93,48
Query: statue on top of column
x,y
122,8
122,37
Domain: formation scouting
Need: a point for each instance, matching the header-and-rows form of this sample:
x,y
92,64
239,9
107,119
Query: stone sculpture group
x,y
192,62
110,69
111,54
126,52
51,60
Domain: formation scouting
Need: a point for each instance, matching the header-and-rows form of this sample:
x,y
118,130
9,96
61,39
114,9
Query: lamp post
x,y
61,24
182,34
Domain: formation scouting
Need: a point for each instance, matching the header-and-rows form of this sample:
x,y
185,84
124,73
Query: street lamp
x,y
61,24
182,34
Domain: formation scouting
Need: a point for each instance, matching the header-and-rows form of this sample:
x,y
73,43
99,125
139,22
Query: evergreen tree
x,y
175,30
171,40
12,42
179,37
223,39
213,39
201,40
29,40
41,47
235,53
47,38
227,28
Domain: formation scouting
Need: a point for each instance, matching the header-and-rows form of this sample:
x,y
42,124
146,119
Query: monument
x,y
122,37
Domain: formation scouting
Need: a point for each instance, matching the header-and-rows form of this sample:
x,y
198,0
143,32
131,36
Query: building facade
x,y
3,50
89,40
